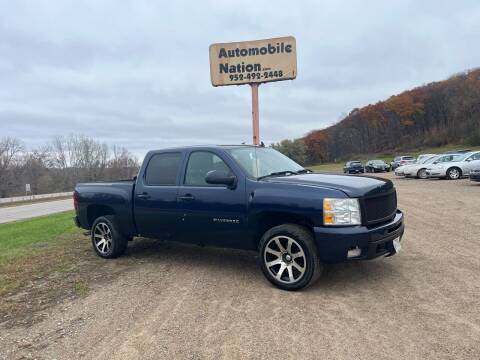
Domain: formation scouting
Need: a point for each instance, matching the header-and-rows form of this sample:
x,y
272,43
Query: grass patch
x,y
44,261
80,287
329,167
31,236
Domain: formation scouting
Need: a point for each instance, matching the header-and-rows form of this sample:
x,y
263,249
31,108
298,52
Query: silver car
x,y
419,168
404,170
455,167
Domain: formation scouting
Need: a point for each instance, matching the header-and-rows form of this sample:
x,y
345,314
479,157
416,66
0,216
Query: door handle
x,y
143,196
187,197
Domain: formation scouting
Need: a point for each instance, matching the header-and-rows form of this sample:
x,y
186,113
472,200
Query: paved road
x,y
14,213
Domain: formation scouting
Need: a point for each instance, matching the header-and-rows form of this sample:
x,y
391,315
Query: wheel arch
x,y
269,219
455,167
95,211
418,171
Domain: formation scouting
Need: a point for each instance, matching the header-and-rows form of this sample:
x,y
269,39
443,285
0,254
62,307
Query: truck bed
x,y
116,195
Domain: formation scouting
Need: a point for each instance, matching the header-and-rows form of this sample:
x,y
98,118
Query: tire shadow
x,y
243,263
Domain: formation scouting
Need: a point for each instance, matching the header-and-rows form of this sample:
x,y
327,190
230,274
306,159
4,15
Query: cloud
x,y
136,73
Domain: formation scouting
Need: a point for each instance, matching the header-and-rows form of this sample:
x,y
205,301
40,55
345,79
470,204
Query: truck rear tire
x,y
107,241
289,258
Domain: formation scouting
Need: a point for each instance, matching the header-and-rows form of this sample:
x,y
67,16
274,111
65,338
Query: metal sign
x,y
256,61
27,187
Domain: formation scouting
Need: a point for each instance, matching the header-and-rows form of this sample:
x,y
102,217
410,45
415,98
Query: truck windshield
x,y
260,162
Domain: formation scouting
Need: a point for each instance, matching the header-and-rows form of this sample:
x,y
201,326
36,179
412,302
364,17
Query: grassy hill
x,y
418,120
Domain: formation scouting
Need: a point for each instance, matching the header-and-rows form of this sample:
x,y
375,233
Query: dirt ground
x,y
174,301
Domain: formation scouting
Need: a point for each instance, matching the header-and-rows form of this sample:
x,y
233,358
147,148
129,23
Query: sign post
x,y
253,63
255,114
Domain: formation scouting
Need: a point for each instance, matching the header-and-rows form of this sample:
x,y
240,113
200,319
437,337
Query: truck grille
x,y
380,208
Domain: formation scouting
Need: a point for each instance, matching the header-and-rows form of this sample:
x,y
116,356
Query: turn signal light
x,y
328,218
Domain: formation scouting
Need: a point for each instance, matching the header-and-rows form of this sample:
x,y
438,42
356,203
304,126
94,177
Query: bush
x,y
294,149
474,138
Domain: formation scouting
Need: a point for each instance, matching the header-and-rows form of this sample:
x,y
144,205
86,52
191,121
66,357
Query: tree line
x,y
60,163
436,114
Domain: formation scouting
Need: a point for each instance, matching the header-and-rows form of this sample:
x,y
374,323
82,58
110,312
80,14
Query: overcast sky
x,y
136,73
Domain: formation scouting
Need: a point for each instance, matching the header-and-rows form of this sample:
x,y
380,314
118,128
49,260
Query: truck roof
x,y
232,146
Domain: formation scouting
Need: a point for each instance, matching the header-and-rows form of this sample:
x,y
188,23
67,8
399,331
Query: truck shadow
x,y
241,264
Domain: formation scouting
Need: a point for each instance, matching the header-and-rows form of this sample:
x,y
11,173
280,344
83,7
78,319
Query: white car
x,y
405,170
454,166
419,168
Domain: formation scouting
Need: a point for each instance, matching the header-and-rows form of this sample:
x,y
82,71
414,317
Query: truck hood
x,y
353,186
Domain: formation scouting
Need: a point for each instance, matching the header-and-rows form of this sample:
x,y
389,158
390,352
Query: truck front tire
x,y
106,239
288,257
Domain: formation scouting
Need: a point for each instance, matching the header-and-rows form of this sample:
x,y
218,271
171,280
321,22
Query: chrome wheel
x,y
102,235
453,174
285,259
422,174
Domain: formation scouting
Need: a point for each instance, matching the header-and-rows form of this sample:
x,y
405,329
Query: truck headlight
x,y
341,212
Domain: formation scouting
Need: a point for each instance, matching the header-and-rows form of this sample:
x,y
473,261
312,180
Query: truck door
x,y
155,200
211,214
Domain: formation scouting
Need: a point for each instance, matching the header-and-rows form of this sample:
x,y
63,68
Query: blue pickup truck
x,y
250,198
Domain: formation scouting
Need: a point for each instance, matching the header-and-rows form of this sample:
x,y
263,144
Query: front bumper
x,y
475,176
355,171
410,172
333,243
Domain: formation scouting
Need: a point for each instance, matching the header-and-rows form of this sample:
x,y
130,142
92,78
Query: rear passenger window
x,y
162,169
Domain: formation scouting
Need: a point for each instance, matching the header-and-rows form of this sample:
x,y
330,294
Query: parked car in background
x,y
401,170
455,166
423,157
419,168
353,167
475,174
401,160
376,166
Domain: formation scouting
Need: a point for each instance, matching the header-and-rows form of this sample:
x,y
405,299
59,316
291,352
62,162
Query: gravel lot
x,y
187,302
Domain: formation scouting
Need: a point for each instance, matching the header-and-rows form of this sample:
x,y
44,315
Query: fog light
x,y
355,252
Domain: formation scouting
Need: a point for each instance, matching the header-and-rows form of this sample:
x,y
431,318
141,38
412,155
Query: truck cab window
x,y
199,164
163,168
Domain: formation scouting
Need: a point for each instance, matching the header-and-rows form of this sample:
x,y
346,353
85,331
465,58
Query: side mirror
x,y
220,177
468,160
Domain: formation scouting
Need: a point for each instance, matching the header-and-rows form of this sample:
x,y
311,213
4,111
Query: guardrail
x,y
33,197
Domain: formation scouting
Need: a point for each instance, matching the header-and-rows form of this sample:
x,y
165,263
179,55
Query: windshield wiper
x,y
305,171
279,173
